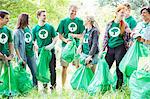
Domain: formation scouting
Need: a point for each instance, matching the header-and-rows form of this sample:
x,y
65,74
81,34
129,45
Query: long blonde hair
x,y
93,22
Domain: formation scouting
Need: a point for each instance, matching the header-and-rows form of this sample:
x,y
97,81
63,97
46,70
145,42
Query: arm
x,y
16,46
94,43
63,39
51,46
79,49
79,36
1,56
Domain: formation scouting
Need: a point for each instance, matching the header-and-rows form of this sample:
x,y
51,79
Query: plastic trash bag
x,y
102,78
43,73
139,85
69,51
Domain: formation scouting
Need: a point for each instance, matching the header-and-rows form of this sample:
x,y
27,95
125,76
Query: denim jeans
x,y
31,61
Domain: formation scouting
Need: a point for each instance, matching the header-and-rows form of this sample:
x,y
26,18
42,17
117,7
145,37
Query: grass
x,y
69,93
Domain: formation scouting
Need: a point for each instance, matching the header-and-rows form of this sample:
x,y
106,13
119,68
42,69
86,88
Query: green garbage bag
x,y
43,73
24,82
129,63
139,85
102,77
9,86
81,78
69,52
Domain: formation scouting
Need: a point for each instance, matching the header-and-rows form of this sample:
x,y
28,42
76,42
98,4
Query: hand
x,y
36,47
100,54
88,59
73,35
140,39
79,49
49,47
68,41
22,62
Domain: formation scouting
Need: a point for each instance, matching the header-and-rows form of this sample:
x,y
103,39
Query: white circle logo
x,y
3,38
43,34
85,40
114,32
72,27
28,37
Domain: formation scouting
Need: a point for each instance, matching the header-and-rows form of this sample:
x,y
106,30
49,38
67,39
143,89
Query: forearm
x,y
1,56
11,48
51,45
18,54
62,38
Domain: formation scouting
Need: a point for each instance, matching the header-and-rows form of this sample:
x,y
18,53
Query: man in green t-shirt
x,y
75,27
45,36
131,22
6,46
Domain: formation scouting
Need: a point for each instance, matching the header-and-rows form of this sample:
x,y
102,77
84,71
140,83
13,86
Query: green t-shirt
x,y
115,38
43,35
5,38
68,25
28,42
131,22
85,46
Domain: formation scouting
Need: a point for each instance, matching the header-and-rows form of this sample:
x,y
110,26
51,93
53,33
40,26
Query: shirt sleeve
x,y
10,39
16,40
60,28
54,34
82,27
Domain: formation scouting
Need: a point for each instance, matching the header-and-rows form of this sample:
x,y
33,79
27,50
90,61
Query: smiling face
x,y
145,15
73,12
121,14
42,17
4,20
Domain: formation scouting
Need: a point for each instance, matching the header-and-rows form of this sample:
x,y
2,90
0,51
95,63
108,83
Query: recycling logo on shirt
x,y
3,38
114,32
28,37
72,27
85,40
43,34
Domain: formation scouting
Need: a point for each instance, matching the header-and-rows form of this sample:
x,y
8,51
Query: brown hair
x,y
127,5
73,6
23,20
122,23
38,13
3,13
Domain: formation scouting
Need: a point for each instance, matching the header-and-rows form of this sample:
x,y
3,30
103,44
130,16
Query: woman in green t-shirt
x,y
23,44
115,40
89,44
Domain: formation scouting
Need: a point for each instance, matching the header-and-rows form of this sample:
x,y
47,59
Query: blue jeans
x,y
31,61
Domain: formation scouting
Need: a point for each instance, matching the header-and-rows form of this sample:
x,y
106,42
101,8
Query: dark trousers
x,y
52,68
117,54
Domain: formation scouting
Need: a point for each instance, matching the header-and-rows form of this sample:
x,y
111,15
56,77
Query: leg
x,y
119,54
52,67
32,65
110,57
64,72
